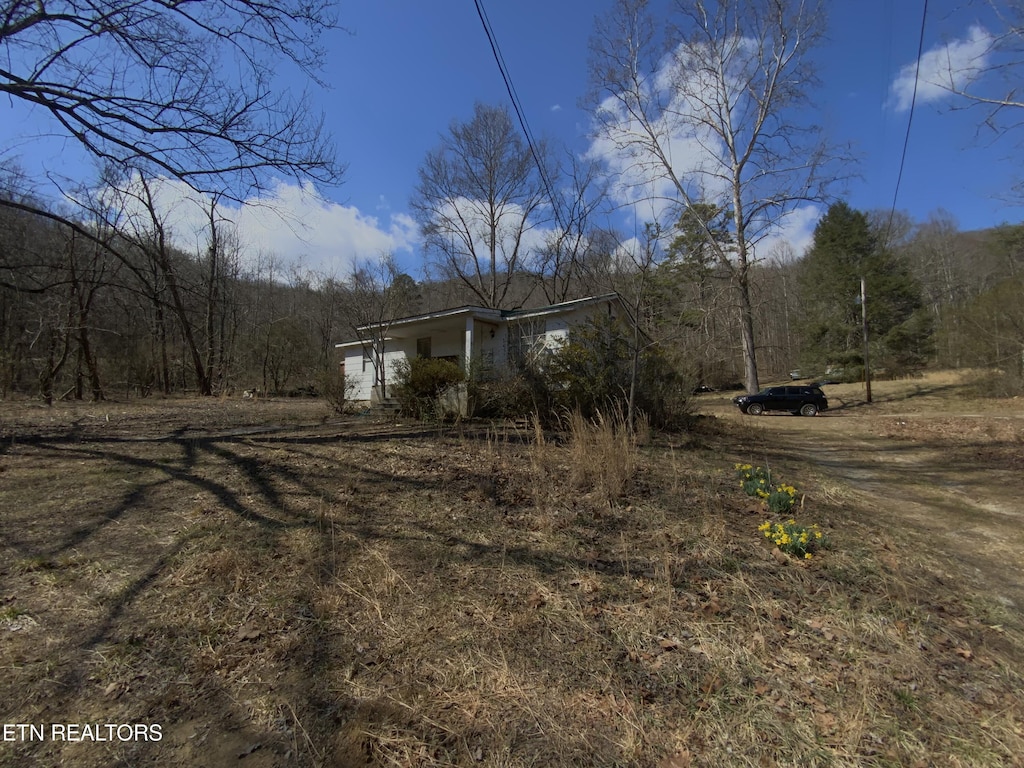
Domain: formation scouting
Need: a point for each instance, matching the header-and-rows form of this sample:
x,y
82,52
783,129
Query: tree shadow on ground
x,y
172,505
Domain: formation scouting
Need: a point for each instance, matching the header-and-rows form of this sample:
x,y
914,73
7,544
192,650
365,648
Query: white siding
x,y
363,380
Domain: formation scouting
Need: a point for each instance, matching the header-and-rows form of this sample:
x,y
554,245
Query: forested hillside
x,y
94,311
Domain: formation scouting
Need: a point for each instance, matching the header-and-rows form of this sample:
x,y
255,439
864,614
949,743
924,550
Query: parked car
x,y
796,375
805,401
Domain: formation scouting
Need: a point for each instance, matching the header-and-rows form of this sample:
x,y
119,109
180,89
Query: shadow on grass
x,y
147,514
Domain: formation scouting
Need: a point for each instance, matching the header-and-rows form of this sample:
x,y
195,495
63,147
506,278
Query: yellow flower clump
x,y
793,538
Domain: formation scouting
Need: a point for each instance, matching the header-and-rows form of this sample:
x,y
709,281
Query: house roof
x,y
486,314
554,309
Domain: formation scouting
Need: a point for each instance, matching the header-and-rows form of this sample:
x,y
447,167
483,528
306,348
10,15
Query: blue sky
x,y
405,69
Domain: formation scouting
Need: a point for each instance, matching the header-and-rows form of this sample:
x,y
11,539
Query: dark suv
x,y
806,401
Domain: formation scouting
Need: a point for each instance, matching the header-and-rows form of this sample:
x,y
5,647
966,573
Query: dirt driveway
x,y
948,468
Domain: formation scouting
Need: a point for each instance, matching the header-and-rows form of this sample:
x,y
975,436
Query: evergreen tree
x,y
845,249
689,293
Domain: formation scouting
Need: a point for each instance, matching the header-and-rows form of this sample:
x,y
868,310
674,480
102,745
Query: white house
x,y
479,339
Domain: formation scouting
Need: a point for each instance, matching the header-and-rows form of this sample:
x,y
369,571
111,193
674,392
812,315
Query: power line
x,y
514,97
910,120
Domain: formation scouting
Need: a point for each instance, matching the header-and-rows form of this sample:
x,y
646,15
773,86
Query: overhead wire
x,y
910,120
518,108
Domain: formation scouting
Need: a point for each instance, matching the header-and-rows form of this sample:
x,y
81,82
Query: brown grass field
x,y
275,587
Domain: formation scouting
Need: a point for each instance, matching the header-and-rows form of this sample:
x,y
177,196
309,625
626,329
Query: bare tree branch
x,y
181,88
477,198
707,114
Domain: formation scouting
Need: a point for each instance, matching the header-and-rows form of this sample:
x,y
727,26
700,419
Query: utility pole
x,y
864,326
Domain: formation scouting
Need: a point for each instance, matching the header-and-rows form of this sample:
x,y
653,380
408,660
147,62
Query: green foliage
x,y
420,385
781,499
703,230
791,537
845,249
794,538
754,481
593,371
590,374
757,482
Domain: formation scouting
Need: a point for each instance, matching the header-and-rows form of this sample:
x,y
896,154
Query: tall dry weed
x,y
603,453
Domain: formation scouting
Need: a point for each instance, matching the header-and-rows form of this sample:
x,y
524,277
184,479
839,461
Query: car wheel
x,y
755,409
808,409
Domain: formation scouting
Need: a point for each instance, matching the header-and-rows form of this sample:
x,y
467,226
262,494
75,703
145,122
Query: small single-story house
x,y
483,340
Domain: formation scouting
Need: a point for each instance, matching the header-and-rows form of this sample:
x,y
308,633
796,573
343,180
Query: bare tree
x,y
178,89
693,290
562,261
378,293
478,196
708,112
181,90
221,271
990,81
1002,57
644,256
87,275
129,205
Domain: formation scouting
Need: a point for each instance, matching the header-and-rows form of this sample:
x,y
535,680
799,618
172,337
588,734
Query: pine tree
x,y
845,249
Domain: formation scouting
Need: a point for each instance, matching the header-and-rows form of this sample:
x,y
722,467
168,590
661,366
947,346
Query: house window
x,y
528,343
367,361
423,347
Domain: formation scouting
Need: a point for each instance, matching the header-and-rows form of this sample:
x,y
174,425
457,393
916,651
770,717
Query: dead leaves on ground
x,y
681,759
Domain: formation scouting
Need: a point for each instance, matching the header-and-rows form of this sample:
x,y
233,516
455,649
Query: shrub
x,y
336,390
781,499
421,383
998,383
511,395
591,373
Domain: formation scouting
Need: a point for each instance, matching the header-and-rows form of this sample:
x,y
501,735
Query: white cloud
x,y
792,235
556,108
688,97
946,67
293,223
454,217
624,148
695,153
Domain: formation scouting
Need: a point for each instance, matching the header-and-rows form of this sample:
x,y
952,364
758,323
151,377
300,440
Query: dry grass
x,y
355,595
935,392
602,453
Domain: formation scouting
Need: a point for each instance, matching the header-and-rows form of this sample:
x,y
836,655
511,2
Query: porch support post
x,y
468,361
469,344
